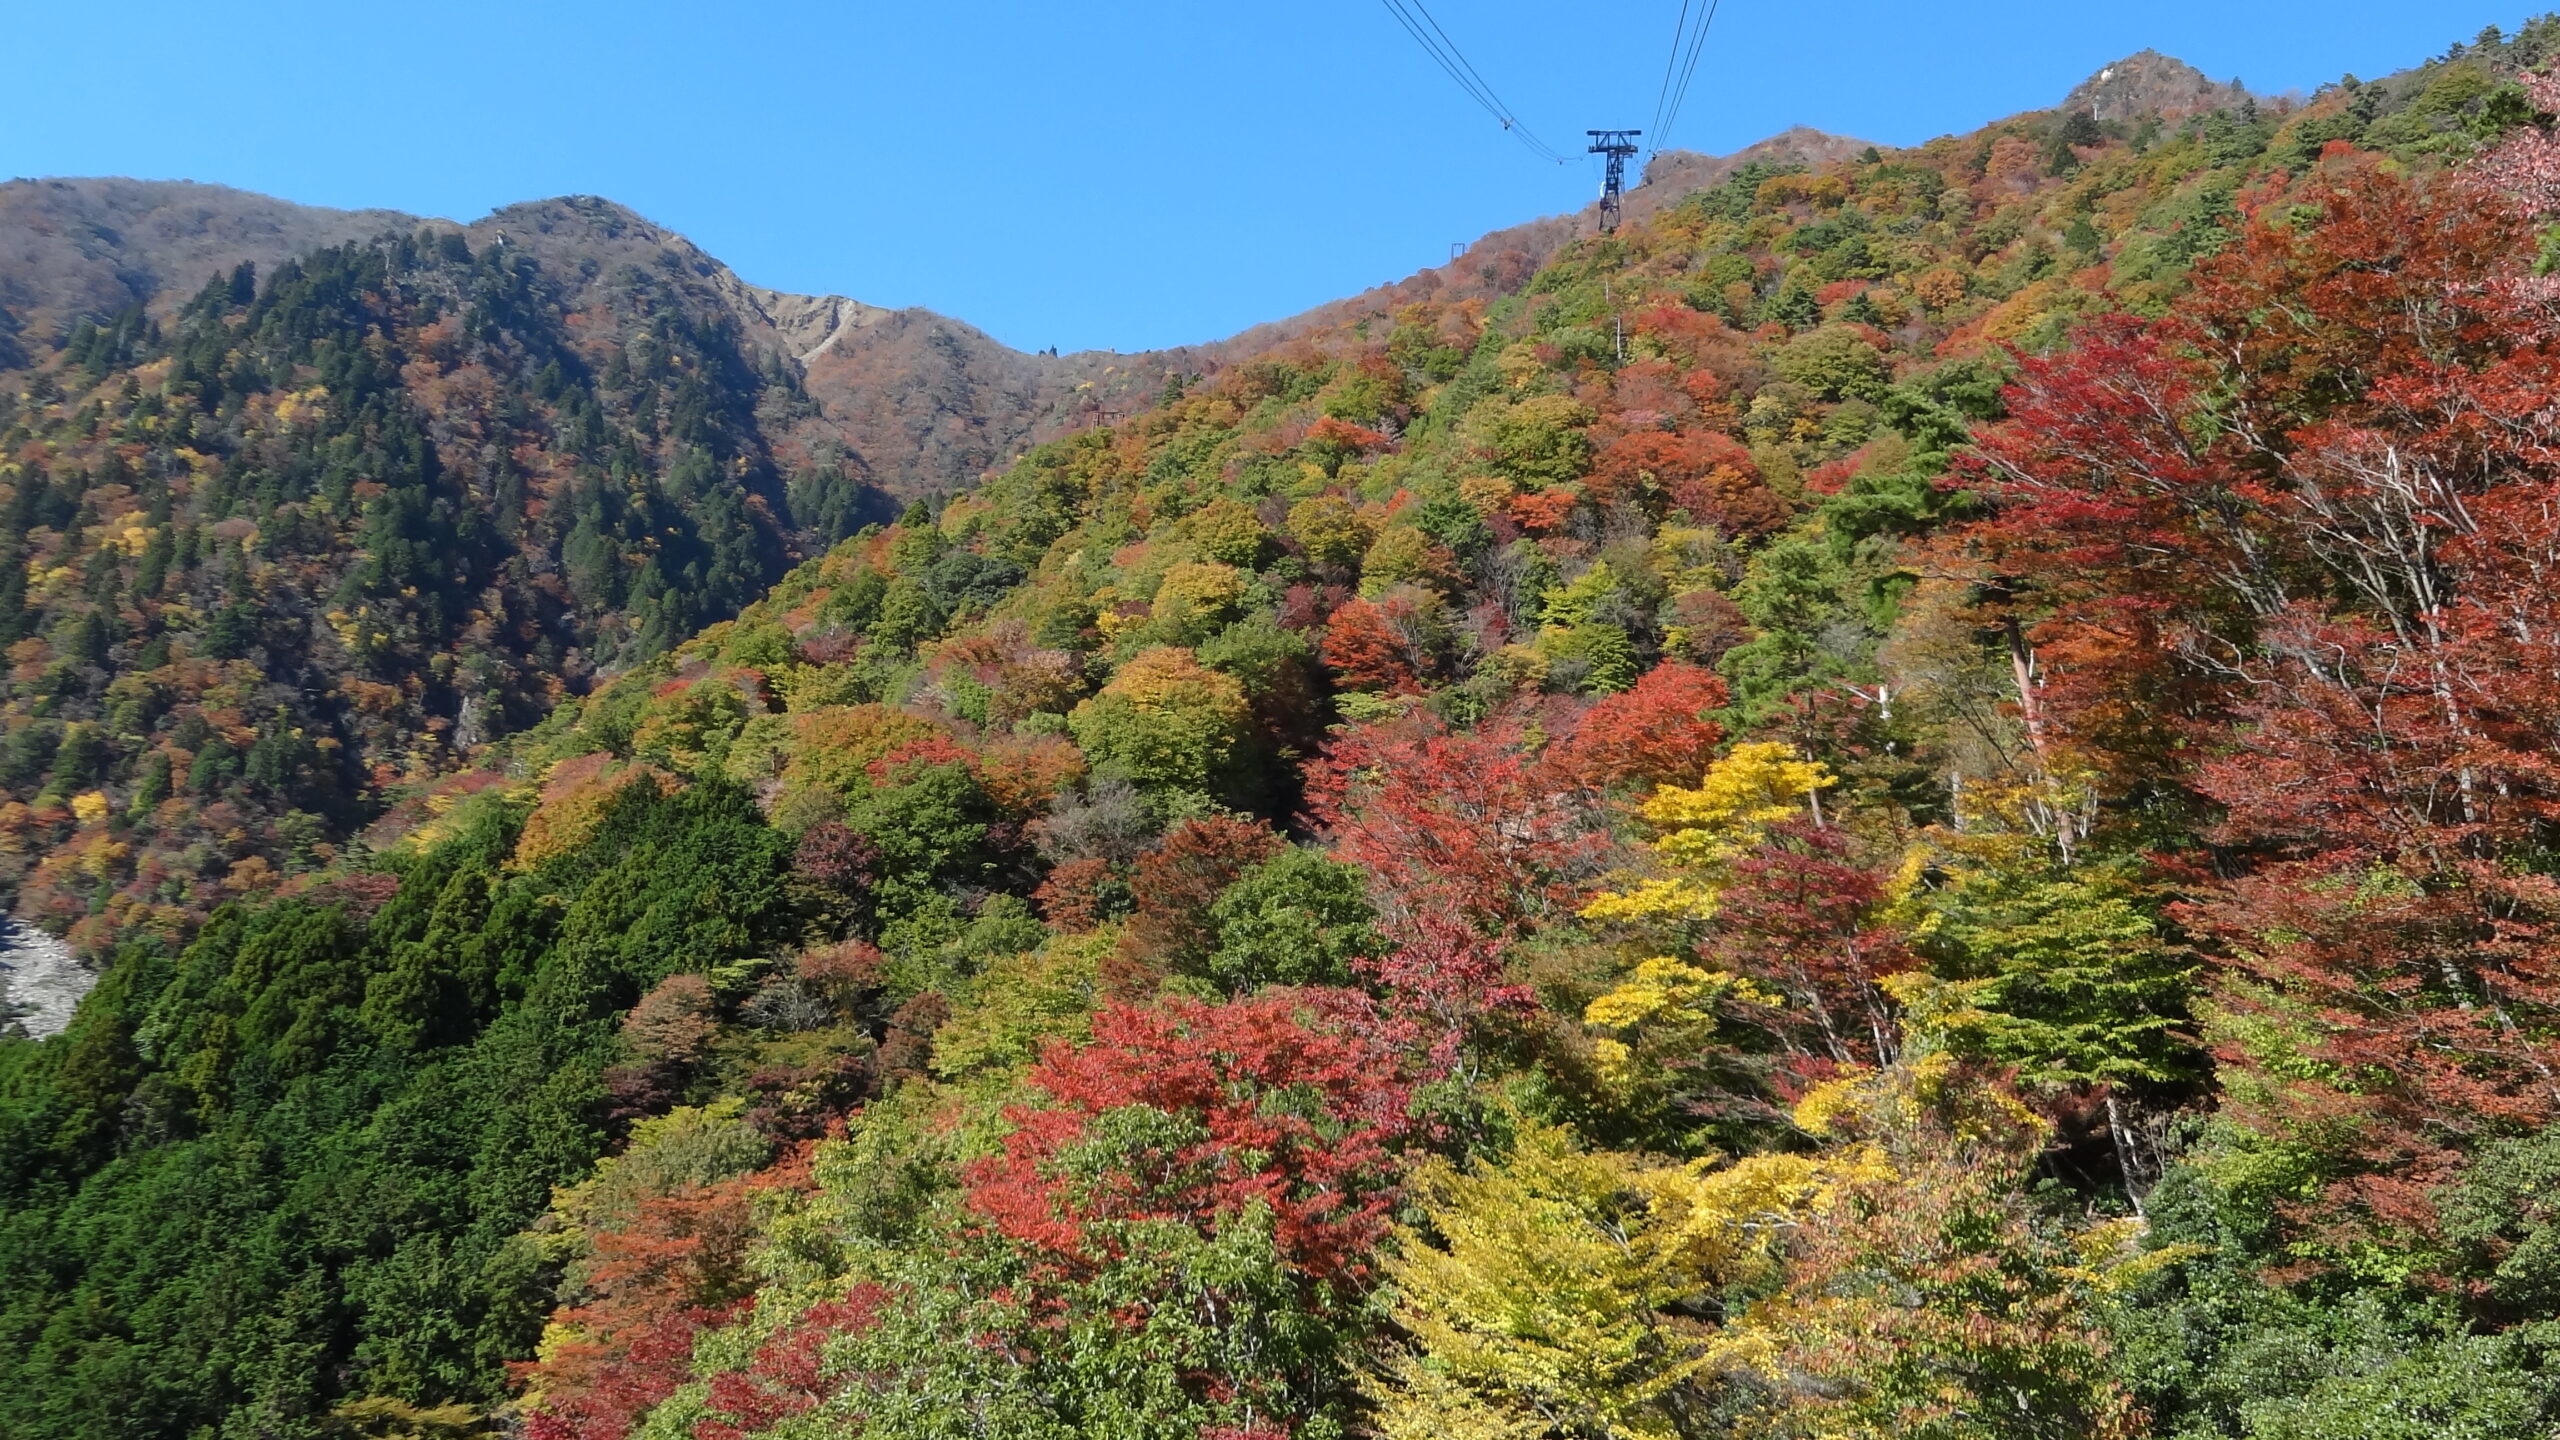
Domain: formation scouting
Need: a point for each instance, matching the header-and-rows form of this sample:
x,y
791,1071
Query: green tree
x,y
1297,918
1165,719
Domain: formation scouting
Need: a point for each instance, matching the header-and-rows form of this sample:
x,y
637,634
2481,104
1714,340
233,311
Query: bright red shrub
x,y
1324,1163
1705,472
1364,652
1655,732
1470,824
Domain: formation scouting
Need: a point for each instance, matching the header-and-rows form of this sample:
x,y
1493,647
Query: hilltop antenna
x,y
1617,145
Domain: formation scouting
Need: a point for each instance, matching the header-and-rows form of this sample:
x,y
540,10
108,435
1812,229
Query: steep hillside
x,y
330,531
1911,798
374,567
94,248
908,400
1499,263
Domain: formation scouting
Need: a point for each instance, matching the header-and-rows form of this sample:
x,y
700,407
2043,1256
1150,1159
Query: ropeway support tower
x,y
1617,145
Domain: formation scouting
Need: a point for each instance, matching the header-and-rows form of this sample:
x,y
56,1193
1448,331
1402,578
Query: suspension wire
x,y
1670,65
1453,62
1439,57
1479,78
1444,52
1688,72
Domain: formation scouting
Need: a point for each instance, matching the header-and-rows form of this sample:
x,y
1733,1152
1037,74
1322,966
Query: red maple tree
x,y
1323,1160
788,1374
1364,652
2294,544
676,1265
1657,731
1480,825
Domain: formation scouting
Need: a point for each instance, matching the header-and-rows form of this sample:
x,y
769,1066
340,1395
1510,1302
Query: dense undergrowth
x,y
1908,800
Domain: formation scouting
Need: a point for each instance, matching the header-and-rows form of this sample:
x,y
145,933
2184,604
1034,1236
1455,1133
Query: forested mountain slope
x,y
94,248
909,400
1911,798
510,542
330,530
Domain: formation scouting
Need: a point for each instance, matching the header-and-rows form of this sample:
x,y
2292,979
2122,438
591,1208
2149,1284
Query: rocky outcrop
x,y
2150,83
812,324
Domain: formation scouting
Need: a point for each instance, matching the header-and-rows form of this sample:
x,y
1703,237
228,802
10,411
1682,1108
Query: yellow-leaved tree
x,y
1706,828
1549,1294
1165,719
1672,1004
1669,1004
1933,1296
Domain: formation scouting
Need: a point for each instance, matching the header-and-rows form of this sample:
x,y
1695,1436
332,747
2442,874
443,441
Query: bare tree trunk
x,y
2125,1161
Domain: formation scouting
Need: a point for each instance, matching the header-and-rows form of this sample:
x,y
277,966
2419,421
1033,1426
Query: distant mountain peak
x,y
577,214
2150,83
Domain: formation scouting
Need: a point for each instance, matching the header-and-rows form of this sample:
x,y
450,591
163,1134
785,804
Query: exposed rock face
x,y
812,324
2150,83
929,402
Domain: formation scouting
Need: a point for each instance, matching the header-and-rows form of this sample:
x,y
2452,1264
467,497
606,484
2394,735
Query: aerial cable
x,y
1510,119
1444,51
1670,66
1688,72
1431,48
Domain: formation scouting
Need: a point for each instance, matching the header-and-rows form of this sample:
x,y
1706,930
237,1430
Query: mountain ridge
x,y
907,398
981,402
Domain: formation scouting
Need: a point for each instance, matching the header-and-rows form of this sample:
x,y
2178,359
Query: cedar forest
x,y
1912,798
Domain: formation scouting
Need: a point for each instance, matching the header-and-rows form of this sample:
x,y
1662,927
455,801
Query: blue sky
x,y
1122,175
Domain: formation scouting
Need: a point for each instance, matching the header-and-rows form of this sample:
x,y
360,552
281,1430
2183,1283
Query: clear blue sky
x,y
1118,175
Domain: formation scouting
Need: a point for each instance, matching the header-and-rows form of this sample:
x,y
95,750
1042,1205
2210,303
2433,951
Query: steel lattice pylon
x,y
1617,145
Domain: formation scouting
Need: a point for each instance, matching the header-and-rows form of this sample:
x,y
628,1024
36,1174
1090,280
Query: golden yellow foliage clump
x,y
1672,1000
574,797
1544,1294
1228,531
1197,595
834,746
1165,719
1707,827
385,1417
1330,531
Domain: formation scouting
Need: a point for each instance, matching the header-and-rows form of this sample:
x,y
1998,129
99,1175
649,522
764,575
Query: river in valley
x,y
40,981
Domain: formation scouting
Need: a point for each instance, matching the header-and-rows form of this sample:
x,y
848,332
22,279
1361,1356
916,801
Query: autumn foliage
x,y
2343,590
1912,797
1324,1165
1660,730
673,1267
